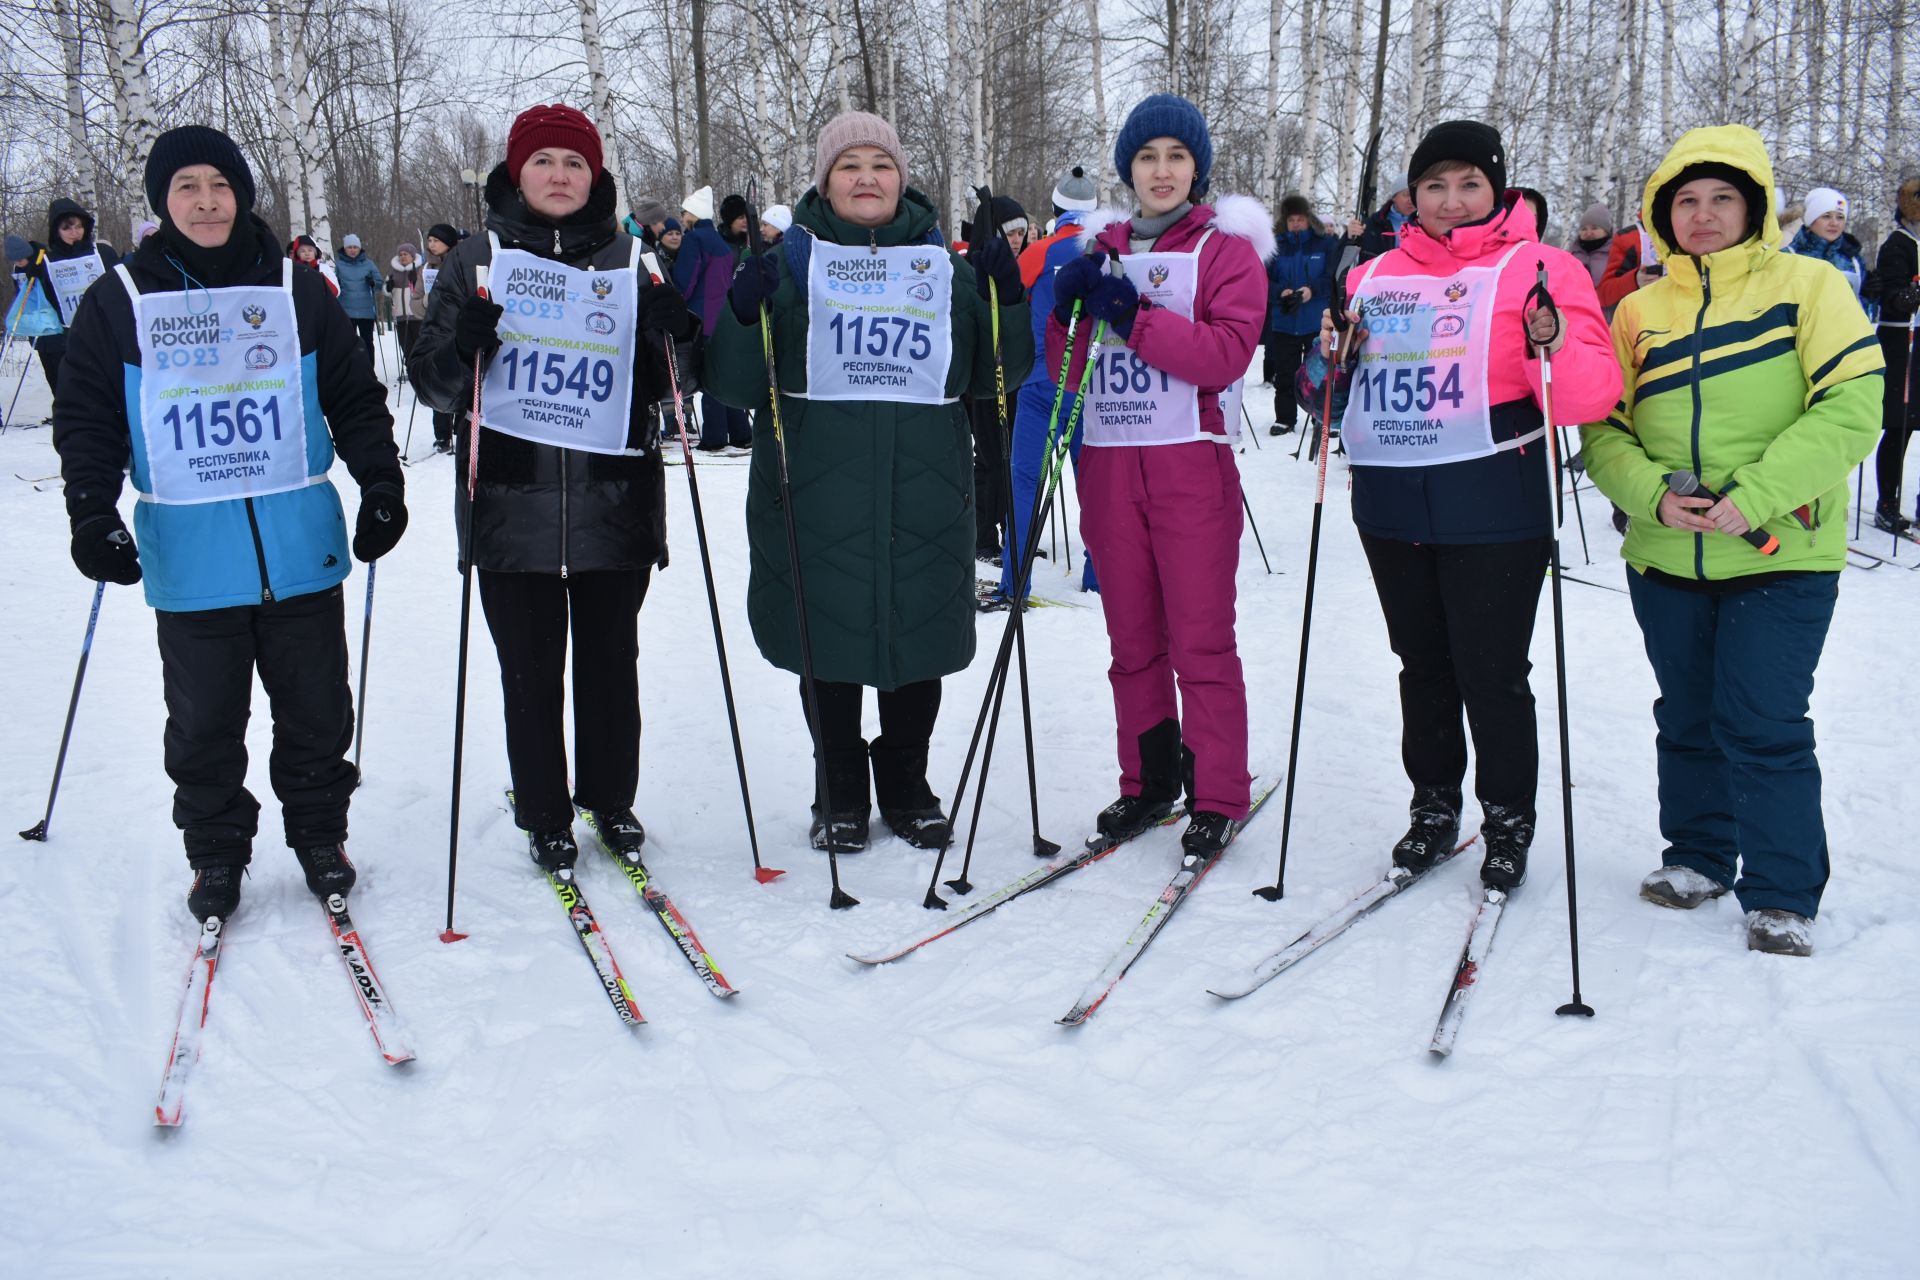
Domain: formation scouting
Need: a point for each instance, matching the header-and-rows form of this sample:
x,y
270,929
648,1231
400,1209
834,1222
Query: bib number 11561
x,y
245,419
1407,388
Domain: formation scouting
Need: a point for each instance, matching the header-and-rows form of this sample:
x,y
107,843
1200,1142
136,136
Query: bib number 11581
x,y
1119,372
1407,388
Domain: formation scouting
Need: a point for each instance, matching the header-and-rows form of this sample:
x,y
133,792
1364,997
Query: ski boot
x,y
1208,834
554,852
1891,522
619,830
328,871
847,831
1779,933
1434,831
215,892
1681,888
922,828
1508,831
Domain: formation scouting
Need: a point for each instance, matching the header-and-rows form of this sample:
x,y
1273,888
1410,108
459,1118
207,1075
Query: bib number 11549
x,y
585,378
1407,388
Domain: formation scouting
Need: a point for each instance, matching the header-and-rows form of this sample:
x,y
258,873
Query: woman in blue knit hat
x,y
1179,295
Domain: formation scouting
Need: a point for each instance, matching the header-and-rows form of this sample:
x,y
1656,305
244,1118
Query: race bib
x,y
221,400
427,276
1129,402
1419,393
879,323
71,278
564,372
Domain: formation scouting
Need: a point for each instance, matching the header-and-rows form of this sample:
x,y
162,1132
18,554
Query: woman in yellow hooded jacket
x,y
1752,389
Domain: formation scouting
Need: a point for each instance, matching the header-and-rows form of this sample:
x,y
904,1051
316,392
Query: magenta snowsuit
x,y
1163,522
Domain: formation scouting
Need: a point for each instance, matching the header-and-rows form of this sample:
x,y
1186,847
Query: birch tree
x,y
287,130
126,52
1310,13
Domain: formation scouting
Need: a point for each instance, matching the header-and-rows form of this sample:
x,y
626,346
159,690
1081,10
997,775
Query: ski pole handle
x,y
1688,485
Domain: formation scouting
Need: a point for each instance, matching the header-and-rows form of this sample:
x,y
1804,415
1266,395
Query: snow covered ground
x,y
1725,1114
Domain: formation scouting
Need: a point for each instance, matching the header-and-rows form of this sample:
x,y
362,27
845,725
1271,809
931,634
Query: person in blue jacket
x,y
225,380
1074,196
360,286
1299,282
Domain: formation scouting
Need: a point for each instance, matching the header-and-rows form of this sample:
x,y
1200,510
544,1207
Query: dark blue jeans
x,y
722,424
1739,783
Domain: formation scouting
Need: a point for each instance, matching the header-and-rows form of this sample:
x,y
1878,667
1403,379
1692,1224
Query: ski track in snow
x,y
1725,1114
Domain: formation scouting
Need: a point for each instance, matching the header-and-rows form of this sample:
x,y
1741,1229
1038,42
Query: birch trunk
x,y
319,224
1103,163
1270,155
1502,45
76,109
291,165
763,127
1666,71
1417,79
1174,64
956,114
1606,162
837,55
1310,112
702,103
1437,56
1344,117
133,94
977,91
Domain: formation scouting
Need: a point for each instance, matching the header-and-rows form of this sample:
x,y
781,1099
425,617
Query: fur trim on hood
x,y
1241,216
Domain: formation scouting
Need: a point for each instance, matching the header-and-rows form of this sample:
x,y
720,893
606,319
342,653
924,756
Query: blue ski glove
x,y
1074,282
1115,300
754,284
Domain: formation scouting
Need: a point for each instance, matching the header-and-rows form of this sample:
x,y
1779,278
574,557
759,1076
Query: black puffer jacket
x,y
543,509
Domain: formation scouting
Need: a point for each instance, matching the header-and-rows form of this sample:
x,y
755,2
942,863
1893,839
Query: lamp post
x,y
473,181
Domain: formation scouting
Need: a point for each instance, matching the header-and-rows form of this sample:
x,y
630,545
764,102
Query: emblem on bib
x,y
1157,276
601,286
1456,291
260,356
599,322
255,316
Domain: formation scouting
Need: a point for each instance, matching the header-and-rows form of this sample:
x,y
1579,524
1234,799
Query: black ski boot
x,y
922,828
1162,765
553,851
848,831
1889,520
1508,831
908,806
619,829
215,892
1435,829
850,811
1208,834
328,871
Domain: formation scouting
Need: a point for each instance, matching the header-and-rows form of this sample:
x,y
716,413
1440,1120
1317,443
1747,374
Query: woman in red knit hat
x,y
567,519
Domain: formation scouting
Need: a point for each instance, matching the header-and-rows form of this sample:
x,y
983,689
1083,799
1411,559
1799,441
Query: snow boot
x,y
1508,831
1779,933
848,807
848,831
1434,831
1681,888
328,871
553,851
1208,834
619,830
215,892
922,828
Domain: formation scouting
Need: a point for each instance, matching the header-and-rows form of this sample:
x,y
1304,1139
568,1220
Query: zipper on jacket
x,y
873,241
259,555
556,242
563,515
1706,299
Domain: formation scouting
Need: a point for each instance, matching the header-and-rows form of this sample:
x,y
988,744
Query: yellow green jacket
x,y
1754,369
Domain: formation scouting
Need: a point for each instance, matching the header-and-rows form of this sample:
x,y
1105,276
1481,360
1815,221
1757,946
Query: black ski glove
x,y
664,314
994,261
476,328
104,550
383,518
754,284
1908,299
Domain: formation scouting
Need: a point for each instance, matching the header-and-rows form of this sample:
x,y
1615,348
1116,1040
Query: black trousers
x,y
1460,619
406,332
50,357
365,329
207,661
1287,352
1899,405
529,616
990,470
898,756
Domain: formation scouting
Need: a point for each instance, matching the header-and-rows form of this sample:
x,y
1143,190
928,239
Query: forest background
x,y
361,115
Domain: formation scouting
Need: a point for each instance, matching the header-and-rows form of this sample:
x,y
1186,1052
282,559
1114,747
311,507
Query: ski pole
x,y
839,898
466,617
360,703
38,831
1016,622
1057,447
1545,300
762,873
1335,358
20,383
1252,434
1573,480
1251,524
408,446
25,298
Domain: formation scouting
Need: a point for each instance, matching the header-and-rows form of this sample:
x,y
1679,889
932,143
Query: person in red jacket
x,y
1631,264
1160,494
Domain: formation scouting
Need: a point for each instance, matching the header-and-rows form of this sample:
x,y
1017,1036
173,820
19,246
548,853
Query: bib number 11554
x,y
1407,388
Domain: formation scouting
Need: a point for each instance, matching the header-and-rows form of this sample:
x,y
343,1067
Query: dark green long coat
x,y
882,491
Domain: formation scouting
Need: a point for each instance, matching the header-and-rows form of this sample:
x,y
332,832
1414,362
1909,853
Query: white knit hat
x,y
1822,201
777,216
700,204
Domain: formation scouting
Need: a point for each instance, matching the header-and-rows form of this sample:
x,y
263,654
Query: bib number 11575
x,y
1407,388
